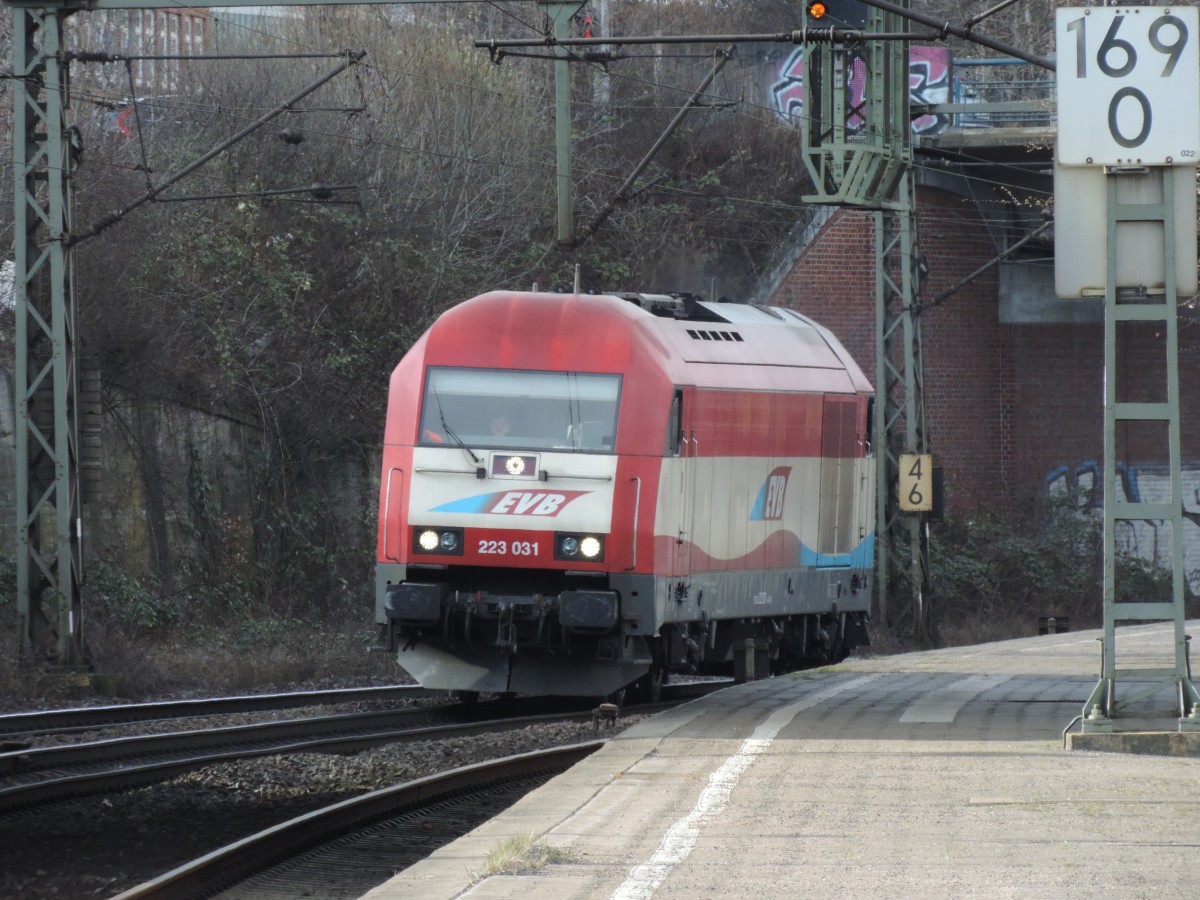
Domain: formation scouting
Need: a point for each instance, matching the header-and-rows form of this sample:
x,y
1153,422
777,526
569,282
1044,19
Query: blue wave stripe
x,y
475,504
861,557
760,502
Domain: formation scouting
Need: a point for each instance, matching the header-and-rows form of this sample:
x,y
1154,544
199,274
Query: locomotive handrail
x,y
684,445
637,505
691,511
387,512
545,474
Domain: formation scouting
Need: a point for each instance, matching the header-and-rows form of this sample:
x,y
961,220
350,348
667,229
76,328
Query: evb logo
x,y
769,504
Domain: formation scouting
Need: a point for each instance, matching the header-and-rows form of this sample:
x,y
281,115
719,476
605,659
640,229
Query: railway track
x,y
31,776
350,847
96,717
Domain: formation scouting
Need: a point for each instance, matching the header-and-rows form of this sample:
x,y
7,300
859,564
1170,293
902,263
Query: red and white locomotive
x,y
582,492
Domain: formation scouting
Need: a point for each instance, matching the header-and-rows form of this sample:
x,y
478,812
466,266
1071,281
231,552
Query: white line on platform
x,y
679,840
943,704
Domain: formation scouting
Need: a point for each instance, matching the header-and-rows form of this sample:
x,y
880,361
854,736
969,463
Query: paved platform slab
x,y
925,775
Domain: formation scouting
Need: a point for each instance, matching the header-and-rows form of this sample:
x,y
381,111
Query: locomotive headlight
x,y
589,547
443,541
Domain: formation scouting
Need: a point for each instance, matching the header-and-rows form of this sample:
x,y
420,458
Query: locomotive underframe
x,y
551,632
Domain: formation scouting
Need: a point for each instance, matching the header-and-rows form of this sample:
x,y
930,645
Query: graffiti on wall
x,y
1145,539
788,89
928,83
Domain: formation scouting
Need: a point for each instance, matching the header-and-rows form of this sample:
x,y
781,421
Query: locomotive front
x,y
498,540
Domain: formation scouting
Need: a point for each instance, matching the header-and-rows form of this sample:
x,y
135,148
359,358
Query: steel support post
x,y
860,154
560,15
49,561
903,547
1127,202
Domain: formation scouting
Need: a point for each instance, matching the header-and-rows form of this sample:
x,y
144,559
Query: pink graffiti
x,y
788,91
929,82
928,78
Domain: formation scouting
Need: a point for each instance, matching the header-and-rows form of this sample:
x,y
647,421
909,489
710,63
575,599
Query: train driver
x,y
501,426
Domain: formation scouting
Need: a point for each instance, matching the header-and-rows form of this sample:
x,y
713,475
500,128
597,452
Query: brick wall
x,y
1005,404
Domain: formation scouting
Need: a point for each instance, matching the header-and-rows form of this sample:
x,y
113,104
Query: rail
x,y
235,862
39,775
82,769
79,718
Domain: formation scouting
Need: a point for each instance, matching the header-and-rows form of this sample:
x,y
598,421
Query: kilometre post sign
x,y
1128,85
916,482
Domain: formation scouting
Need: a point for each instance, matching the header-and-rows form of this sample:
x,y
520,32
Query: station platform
x,y
938,774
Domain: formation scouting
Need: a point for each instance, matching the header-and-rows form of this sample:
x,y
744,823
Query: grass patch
x,y
520,854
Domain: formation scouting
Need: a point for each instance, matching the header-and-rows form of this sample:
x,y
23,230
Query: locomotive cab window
x,y
506,409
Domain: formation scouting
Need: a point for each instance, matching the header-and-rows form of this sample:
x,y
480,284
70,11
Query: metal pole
x,y
49,565
560,17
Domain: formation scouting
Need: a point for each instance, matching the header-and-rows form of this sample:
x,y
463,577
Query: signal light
x,y
838,13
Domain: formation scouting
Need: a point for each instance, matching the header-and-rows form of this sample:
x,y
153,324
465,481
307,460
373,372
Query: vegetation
x,y
520,854
994,577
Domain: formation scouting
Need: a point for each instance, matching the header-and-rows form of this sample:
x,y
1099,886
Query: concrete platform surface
x,y
937,774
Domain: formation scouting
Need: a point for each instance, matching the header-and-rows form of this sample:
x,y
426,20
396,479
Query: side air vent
x,y
700,335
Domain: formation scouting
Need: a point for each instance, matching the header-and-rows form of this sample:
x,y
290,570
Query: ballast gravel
x,y
99,846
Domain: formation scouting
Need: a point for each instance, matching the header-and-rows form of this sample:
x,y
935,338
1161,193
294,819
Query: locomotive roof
x,y
720,344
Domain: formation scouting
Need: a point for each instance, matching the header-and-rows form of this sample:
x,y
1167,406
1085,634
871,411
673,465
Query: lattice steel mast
x,y
861,156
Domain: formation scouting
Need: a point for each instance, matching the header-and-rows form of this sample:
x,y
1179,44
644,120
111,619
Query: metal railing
x,y
1001,93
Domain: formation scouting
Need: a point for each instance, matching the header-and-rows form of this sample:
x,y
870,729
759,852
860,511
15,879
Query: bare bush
x,y
996,577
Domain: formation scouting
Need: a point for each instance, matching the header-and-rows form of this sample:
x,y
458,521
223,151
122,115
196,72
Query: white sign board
x,y
1128,85
1081,231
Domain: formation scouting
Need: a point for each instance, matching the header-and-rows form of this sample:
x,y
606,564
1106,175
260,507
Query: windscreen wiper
x,y
458,442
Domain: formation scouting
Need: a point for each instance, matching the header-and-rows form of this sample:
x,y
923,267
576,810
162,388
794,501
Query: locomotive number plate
x,y
490,547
